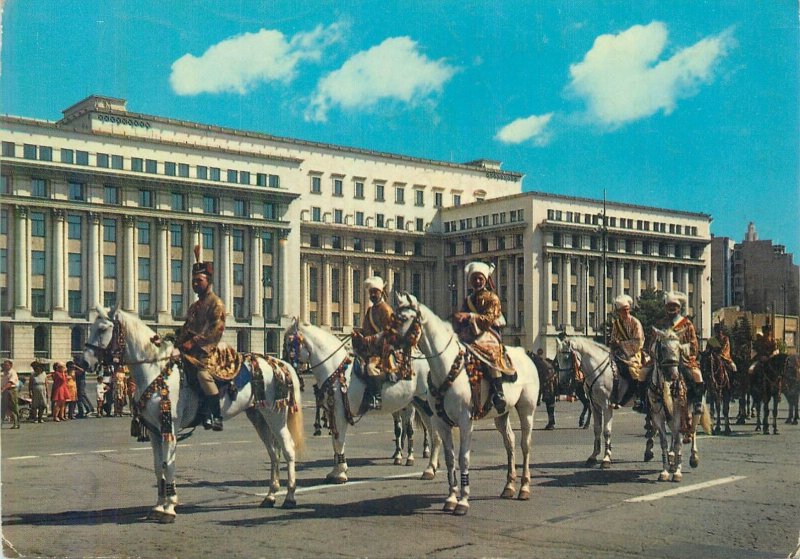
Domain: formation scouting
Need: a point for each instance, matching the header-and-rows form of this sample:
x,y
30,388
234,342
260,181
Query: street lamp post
x,y
603,229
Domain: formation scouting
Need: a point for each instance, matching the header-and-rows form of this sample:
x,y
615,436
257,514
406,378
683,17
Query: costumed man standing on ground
x,y
720,344
10,403
683,327
478,325
626,343
199,336
764,347
369,345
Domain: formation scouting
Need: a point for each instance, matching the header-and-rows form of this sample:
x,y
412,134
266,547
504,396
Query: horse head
x,y
566,356
295,348
100,347
407,320
667,351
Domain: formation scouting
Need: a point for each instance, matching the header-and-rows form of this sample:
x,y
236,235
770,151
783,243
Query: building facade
x,y
105,206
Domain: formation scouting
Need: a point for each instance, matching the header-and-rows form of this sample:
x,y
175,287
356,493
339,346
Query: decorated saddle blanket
x,y
495,356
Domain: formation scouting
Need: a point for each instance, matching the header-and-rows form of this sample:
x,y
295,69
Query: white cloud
x,y
523,129
623,78
240,63
394,70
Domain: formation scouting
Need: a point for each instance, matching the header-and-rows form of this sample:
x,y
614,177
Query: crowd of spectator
x,y
58,392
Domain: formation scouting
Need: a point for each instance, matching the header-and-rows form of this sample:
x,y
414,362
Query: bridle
x,y
416,329
113,352
295,341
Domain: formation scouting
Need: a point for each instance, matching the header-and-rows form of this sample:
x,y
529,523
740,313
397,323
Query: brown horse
x,y
719,390
766,383
791,387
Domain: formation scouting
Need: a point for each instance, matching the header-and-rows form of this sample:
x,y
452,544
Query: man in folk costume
x,y
478,324
690,348
720,344
764,347
370,345
199,336
627,341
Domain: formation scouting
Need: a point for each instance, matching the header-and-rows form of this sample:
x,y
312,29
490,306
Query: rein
x,y
325,395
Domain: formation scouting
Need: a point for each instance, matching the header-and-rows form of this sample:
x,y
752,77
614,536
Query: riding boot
x,y
498,398
216,414
640,405
697,397
205,411
374,386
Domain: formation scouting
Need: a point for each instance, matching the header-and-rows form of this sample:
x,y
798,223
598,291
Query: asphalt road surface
x,y
83,489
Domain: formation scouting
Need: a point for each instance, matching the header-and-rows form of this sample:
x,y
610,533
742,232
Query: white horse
x,y
594,360
341,392
167,403
669,407
451,397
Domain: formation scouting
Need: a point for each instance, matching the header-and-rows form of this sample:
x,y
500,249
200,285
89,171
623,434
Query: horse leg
x,y
598,430
450,463
765,420
338,473
278,424
608,421
648,433
158,467
525,410
397,457
551,414
168,449
660,423
694,459
726,409
409,428
503,425
775,400
259,422
426,442
433,455
464,446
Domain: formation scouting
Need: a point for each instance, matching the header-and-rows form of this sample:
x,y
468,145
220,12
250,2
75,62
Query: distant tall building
x,y
722,272
765,278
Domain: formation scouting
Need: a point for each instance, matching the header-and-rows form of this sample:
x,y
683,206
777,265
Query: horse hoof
x,y
267,503
524,494
677,477
449,506
508,493
289,504
648,455
765,432
410,462
154,514
740,421
426,453
694,461
398,461
335,480
461,510
605,464
715,431
663,476
318,432
550,427
428,475
586,425
728,431
774,431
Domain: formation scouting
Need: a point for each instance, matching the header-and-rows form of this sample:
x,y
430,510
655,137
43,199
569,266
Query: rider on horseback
x,y
626,343
764,347
199,336
477,325
369,346
720,344
684,329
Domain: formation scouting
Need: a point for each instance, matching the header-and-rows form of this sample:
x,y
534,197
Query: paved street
x,y
83,488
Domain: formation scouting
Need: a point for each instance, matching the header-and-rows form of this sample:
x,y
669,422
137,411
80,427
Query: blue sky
x,y
687,105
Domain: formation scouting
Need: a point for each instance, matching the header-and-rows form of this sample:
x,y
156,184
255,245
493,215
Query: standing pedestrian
x,y
72,387
84,404
37,386
60,393
101,395
10,403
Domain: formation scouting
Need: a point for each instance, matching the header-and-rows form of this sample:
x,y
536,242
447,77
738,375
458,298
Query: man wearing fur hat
x,y
690,348
720,344
10,402
477,324
626,343
369,345
764,347
199,336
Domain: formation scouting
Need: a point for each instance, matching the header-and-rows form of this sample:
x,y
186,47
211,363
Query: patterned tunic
x,y
479,330
371,347
627,341
684,328
205,323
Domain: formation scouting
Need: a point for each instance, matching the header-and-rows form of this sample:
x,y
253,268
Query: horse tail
x,y
295,424
705,420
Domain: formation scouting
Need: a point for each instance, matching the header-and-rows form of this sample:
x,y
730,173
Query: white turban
x,y
479,268
623,301
375,282
674,297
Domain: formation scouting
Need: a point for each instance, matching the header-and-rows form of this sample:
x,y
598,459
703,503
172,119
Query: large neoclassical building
x,y
105,206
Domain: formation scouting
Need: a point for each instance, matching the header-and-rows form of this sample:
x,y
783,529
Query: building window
x,y
266,276
418,249
111,195
357,287
400,222
4,267
379,222
437,199
145,198
45,153
261,179
178,202
109,299
109,230
244,177
378,245
399,195
82,157
313,285
358,193
358,244
170,169
314,241
316,185
37,224
240,208
202,172
215,174
144,304
238,274
137,164
143,230
39,188
183,170
38,307
335,286
360,219
456,199
208,238
177,306
398,247
237,236
144,269
316,213
67,156
29,151
233,176
109,267
37,262
176,270
269,210
266,242
9,149
274,181
238,307
117,162
419,198
76,192
379,195
337,187
210,204
176,235
74,227
336,242
74,264
338,216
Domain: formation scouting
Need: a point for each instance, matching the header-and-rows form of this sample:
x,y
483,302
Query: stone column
x,y
22,309
325,296
94,295
636,280
547,296
57,257
256,279
619,279
685,279
347,300
162,273
566,290
652,278
513,305
304,288
224,273
194,238
580,303
284,273
668,278
129,302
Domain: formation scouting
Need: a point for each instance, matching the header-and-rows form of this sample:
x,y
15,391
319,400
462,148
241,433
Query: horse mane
x,y
592,342
140,334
